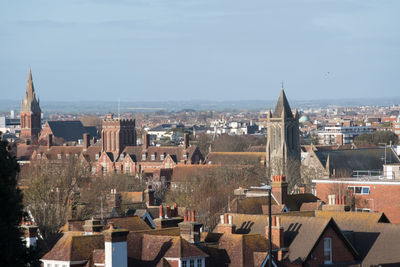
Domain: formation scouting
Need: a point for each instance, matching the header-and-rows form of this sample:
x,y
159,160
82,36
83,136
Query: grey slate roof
x,y
357,159
70,130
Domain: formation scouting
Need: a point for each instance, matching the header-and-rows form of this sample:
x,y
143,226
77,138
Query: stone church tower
x,y
283,140
30,114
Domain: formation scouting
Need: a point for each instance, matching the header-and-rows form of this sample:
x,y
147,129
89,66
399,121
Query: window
x,y
153,157
127,169
93,170
327,250
97,156
359,190
59,156
184,263
39,156
162,157
365,191
192,263
143,156
48,265
199,263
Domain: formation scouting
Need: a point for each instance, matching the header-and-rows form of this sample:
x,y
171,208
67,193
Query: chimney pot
x,y
185,218
161,211
193,217
222,217
226,219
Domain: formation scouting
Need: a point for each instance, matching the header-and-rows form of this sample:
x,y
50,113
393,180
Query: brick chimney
x,y
86,141
279,188
92,226
30,234
166,219
115,247
186,140
277,232
49,141
190,229
149,196
226,225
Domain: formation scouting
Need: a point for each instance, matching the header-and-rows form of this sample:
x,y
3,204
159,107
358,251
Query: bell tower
x,y
30,114
283,139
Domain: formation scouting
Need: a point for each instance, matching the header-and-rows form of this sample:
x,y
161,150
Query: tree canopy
x,y
376,138
13,250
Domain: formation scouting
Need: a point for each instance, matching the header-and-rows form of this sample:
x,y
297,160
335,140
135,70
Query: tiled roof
x,y
75,246
176,152
250,205
235,158
375,239
183,172
301,235
131,223
295,201
155,248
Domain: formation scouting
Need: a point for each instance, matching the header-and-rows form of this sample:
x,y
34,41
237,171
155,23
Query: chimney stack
x,y
149,196
190,230
115,247
92,226
86,141
279,188
226,225
186,140
146,141
49,141
277,232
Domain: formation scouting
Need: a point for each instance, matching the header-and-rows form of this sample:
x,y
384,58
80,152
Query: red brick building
x,y
370,194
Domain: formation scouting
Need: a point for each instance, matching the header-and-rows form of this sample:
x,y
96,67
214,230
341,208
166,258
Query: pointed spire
x,y
30,74
282,105
30,103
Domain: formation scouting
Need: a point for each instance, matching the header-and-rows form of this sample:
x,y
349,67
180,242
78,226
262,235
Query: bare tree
x,y
52,189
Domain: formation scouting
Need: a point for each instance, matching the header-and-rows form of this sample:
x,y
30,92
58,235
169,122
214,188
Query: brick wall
x,y
386,198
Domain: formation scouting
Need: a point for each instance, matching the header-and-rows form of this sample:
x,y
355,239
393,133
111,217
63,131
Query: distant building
x,y
340,135
30,114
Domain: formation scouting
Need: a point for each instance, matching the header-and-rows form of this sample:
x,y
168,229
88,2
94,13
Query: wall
x,y
386,197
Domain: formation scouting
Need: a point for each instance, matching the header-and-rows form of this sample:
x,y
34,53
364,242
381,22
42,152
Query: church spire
x,y
30,103
282,106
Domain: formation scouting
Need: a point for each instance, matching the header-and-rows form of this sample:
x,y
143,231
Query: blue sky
x,y
200,49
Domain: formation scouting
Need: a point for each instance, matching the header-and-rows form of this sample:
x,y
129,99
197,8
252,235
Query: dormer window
x,y
122,156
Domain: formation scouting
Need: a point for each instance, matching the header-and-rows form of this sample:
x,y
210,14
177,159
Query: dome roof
x,y
304,118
